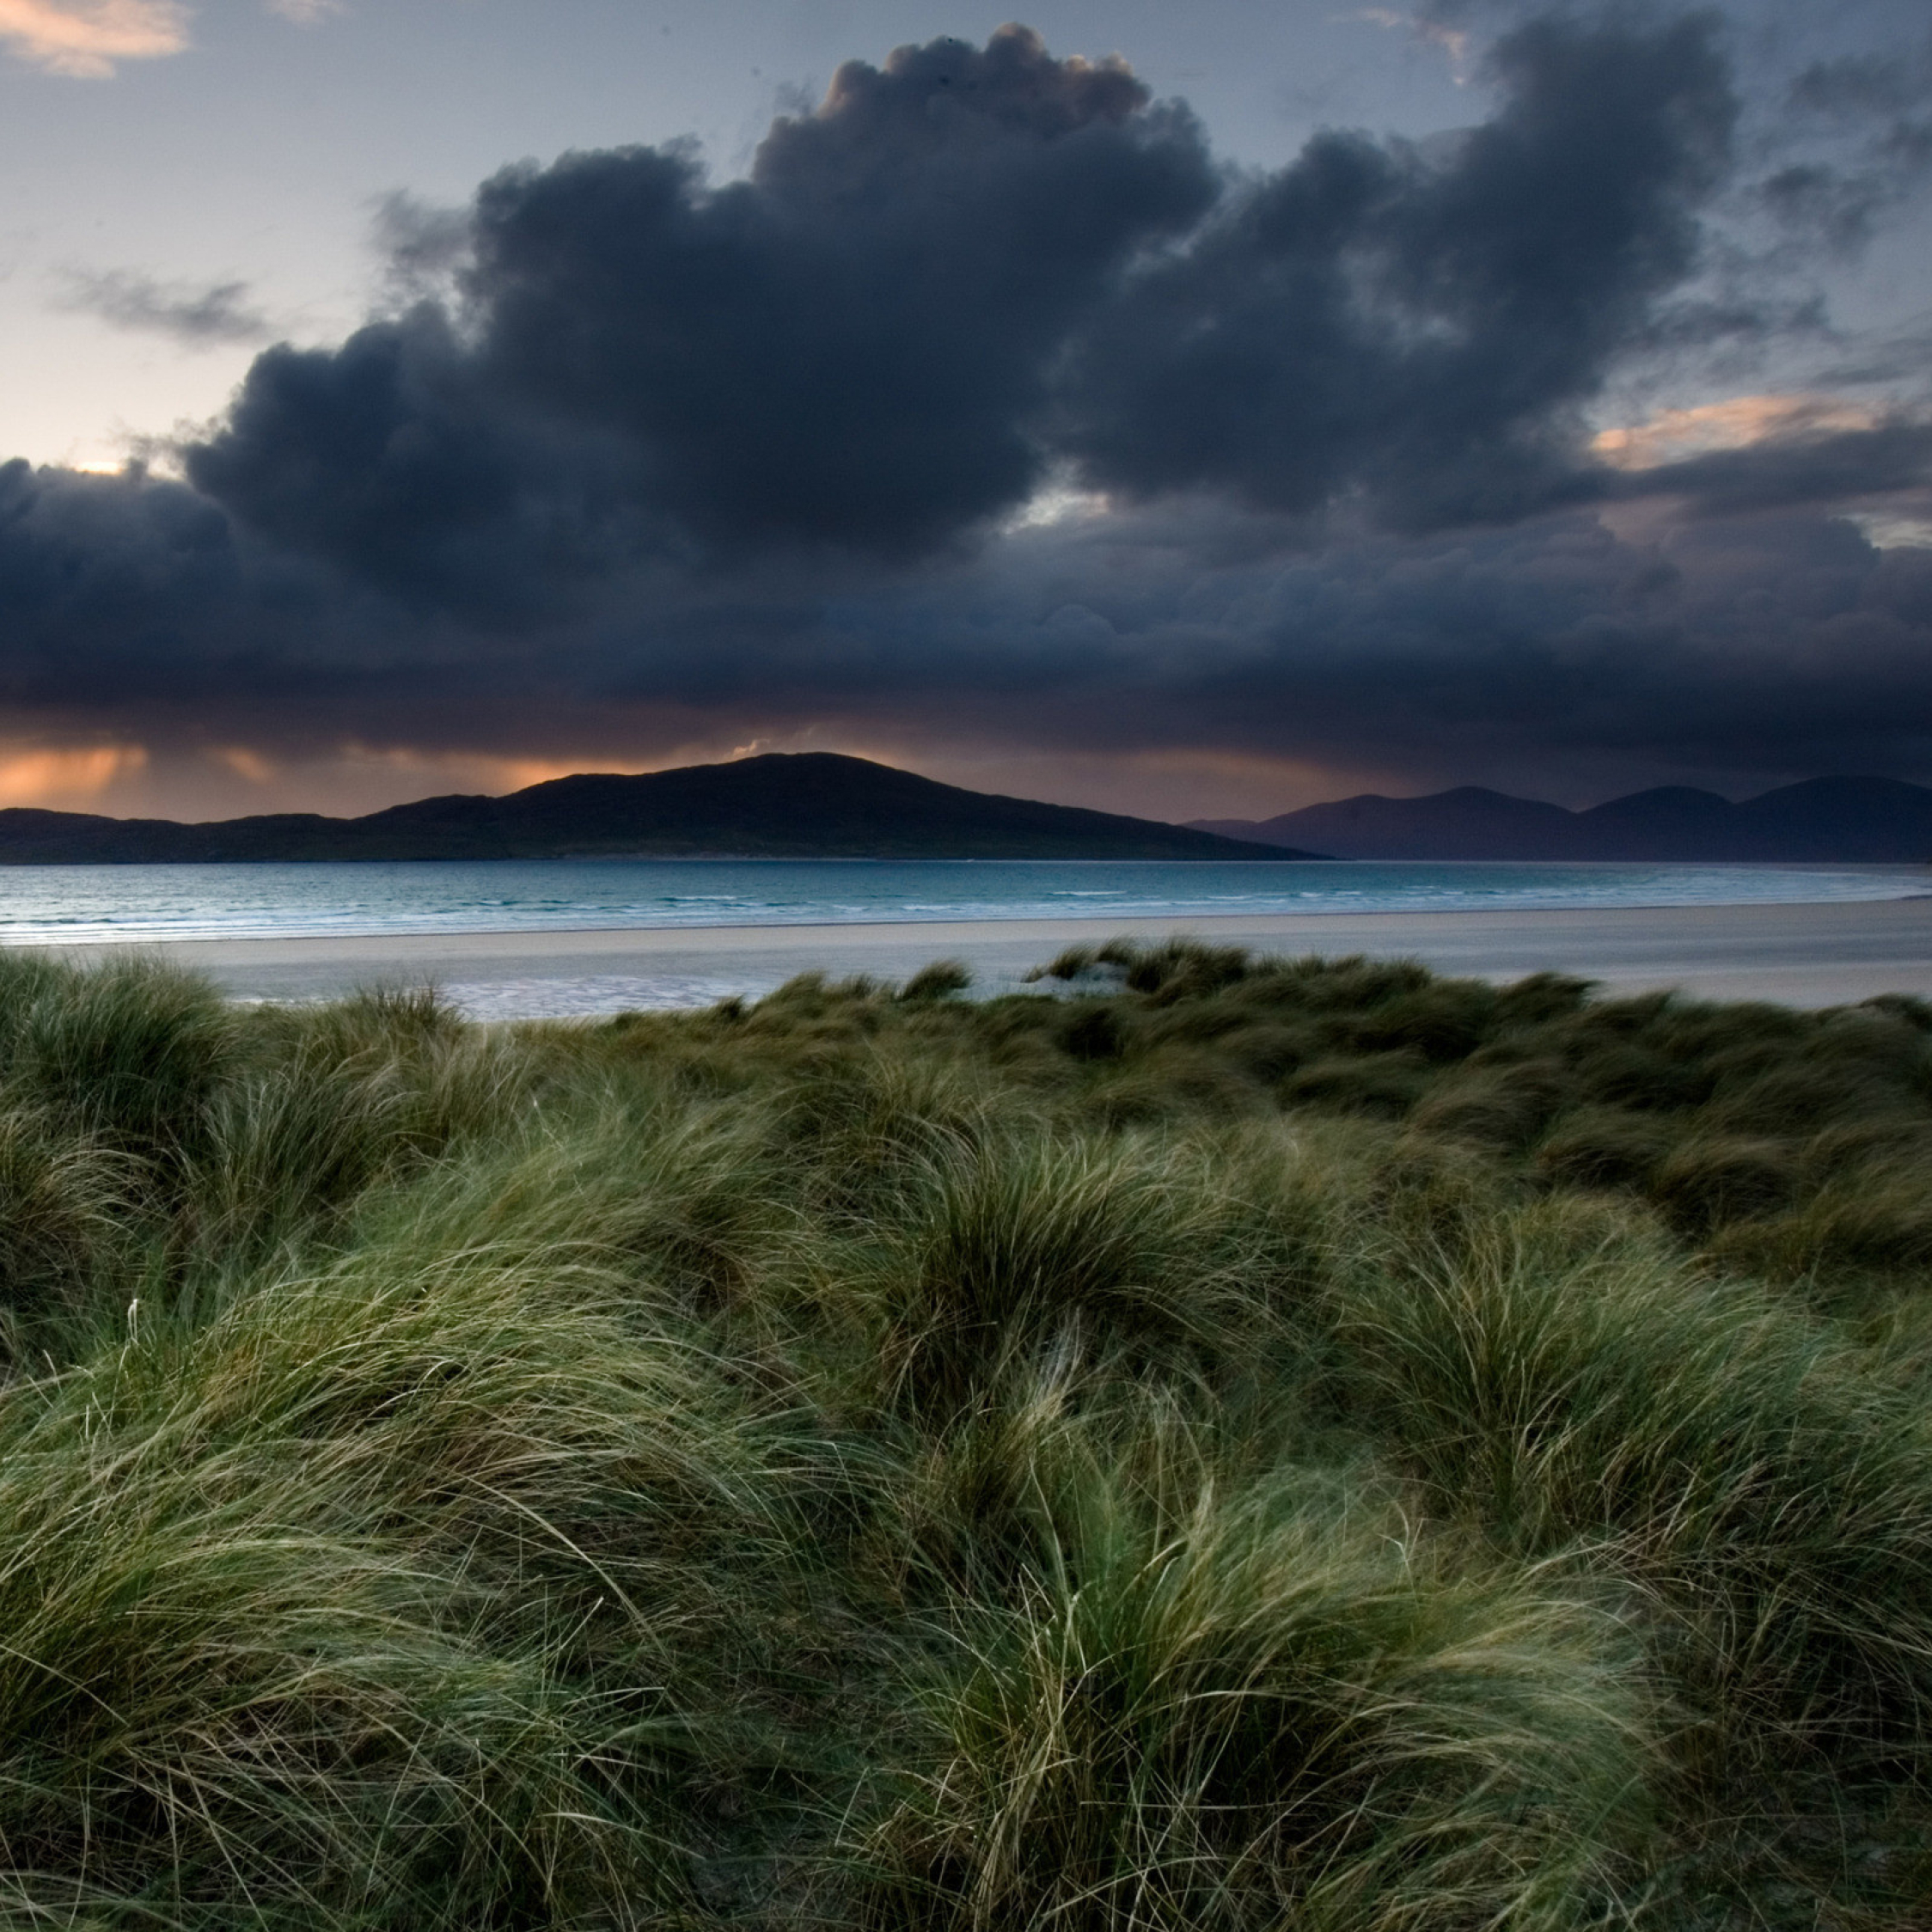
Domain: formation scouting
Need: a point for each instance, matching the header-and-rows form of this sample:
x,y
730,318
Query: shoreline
x,y
1806,954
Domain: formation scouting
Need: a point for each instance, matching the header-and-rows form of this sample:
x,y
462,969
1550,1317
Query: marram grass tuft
x,y
1210,1442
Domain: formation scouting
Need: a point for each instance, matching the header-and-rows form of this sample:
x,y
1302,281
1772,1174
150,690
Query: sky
x,y
1194,411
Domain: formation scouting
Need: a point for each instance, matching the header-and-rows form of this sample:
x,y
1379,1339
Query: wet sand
x,y
1805,955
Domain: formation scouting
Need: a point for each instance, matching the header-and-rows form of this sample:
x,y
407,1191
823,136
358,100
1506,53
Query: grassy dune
x,y
1242,1443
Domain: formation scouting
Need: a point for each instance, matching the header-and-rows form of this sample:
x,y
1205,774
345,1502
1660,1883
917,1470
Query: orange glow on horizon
x,y
40,778
245,763
513,774
230,780
489,772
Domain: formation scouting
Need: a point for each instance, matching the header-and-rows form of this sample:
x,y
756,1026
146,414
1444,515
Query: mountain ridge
x,y
778,805
1846,819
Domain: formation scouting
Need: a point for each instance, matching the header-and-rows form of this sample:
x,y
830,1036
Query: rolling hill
x,y
798,805
1844,820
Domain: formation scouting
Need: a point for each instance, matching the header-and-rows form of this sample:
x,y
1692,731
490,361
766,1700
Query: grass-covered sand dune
x,y
1245,1444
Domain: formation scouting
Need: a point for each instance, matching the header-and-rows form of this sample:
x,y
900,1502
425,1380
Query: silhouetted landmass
x,y
1849,820
803,805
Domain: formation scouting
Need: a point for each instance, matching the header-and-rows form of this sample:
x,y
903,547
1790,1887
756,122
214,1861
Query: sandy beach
x,y
1802,955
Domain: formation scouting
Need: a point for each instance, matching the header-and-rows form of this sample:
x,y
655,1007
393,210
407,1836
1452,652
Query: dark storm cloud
x,y
389,458
1761,648
847,348
972,264
133,601
1776,646
1421,332
98,573
199,315
663,457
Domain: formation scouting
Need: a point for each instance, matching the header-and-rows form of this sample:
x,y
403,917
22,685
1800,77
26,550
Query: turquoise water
x,y
53,905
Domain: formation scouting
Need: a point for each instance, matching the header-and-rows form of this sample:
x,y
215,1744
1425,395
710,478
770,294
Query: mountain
x,y
803,806
1873,821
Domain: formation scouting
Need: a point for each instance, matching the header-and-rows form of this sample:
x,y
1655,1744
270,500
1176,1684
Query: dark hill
x,y
806,805
1871,821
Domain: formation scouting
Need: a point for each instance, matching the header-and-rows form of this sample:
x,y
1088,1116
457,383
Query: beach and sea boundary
x,y
1811,955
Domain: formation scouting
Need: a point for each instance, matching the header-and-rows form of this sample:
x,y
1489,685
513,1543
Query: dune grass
x,y
1213,1442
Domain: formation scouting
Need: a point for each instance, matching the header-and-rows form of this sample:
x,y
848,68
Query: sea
x,y
140,905
94,906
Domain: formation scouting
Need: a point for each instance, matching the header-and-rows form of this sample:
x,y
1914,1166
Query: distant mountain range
x,y
1846,819
801,805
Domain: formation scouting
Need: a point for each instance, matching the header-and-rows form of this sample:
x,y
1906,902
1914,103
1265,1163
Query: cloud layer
x,y
990,407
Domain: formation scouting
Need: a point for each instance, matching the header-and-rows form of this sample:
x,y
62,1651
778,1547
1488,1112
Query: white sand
x,y
1806,955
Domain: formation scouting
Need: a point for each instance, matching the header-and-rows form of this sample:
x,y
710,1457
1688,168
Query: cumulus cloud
x,y
1420,332
122,584
848,348
972,268
87,38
